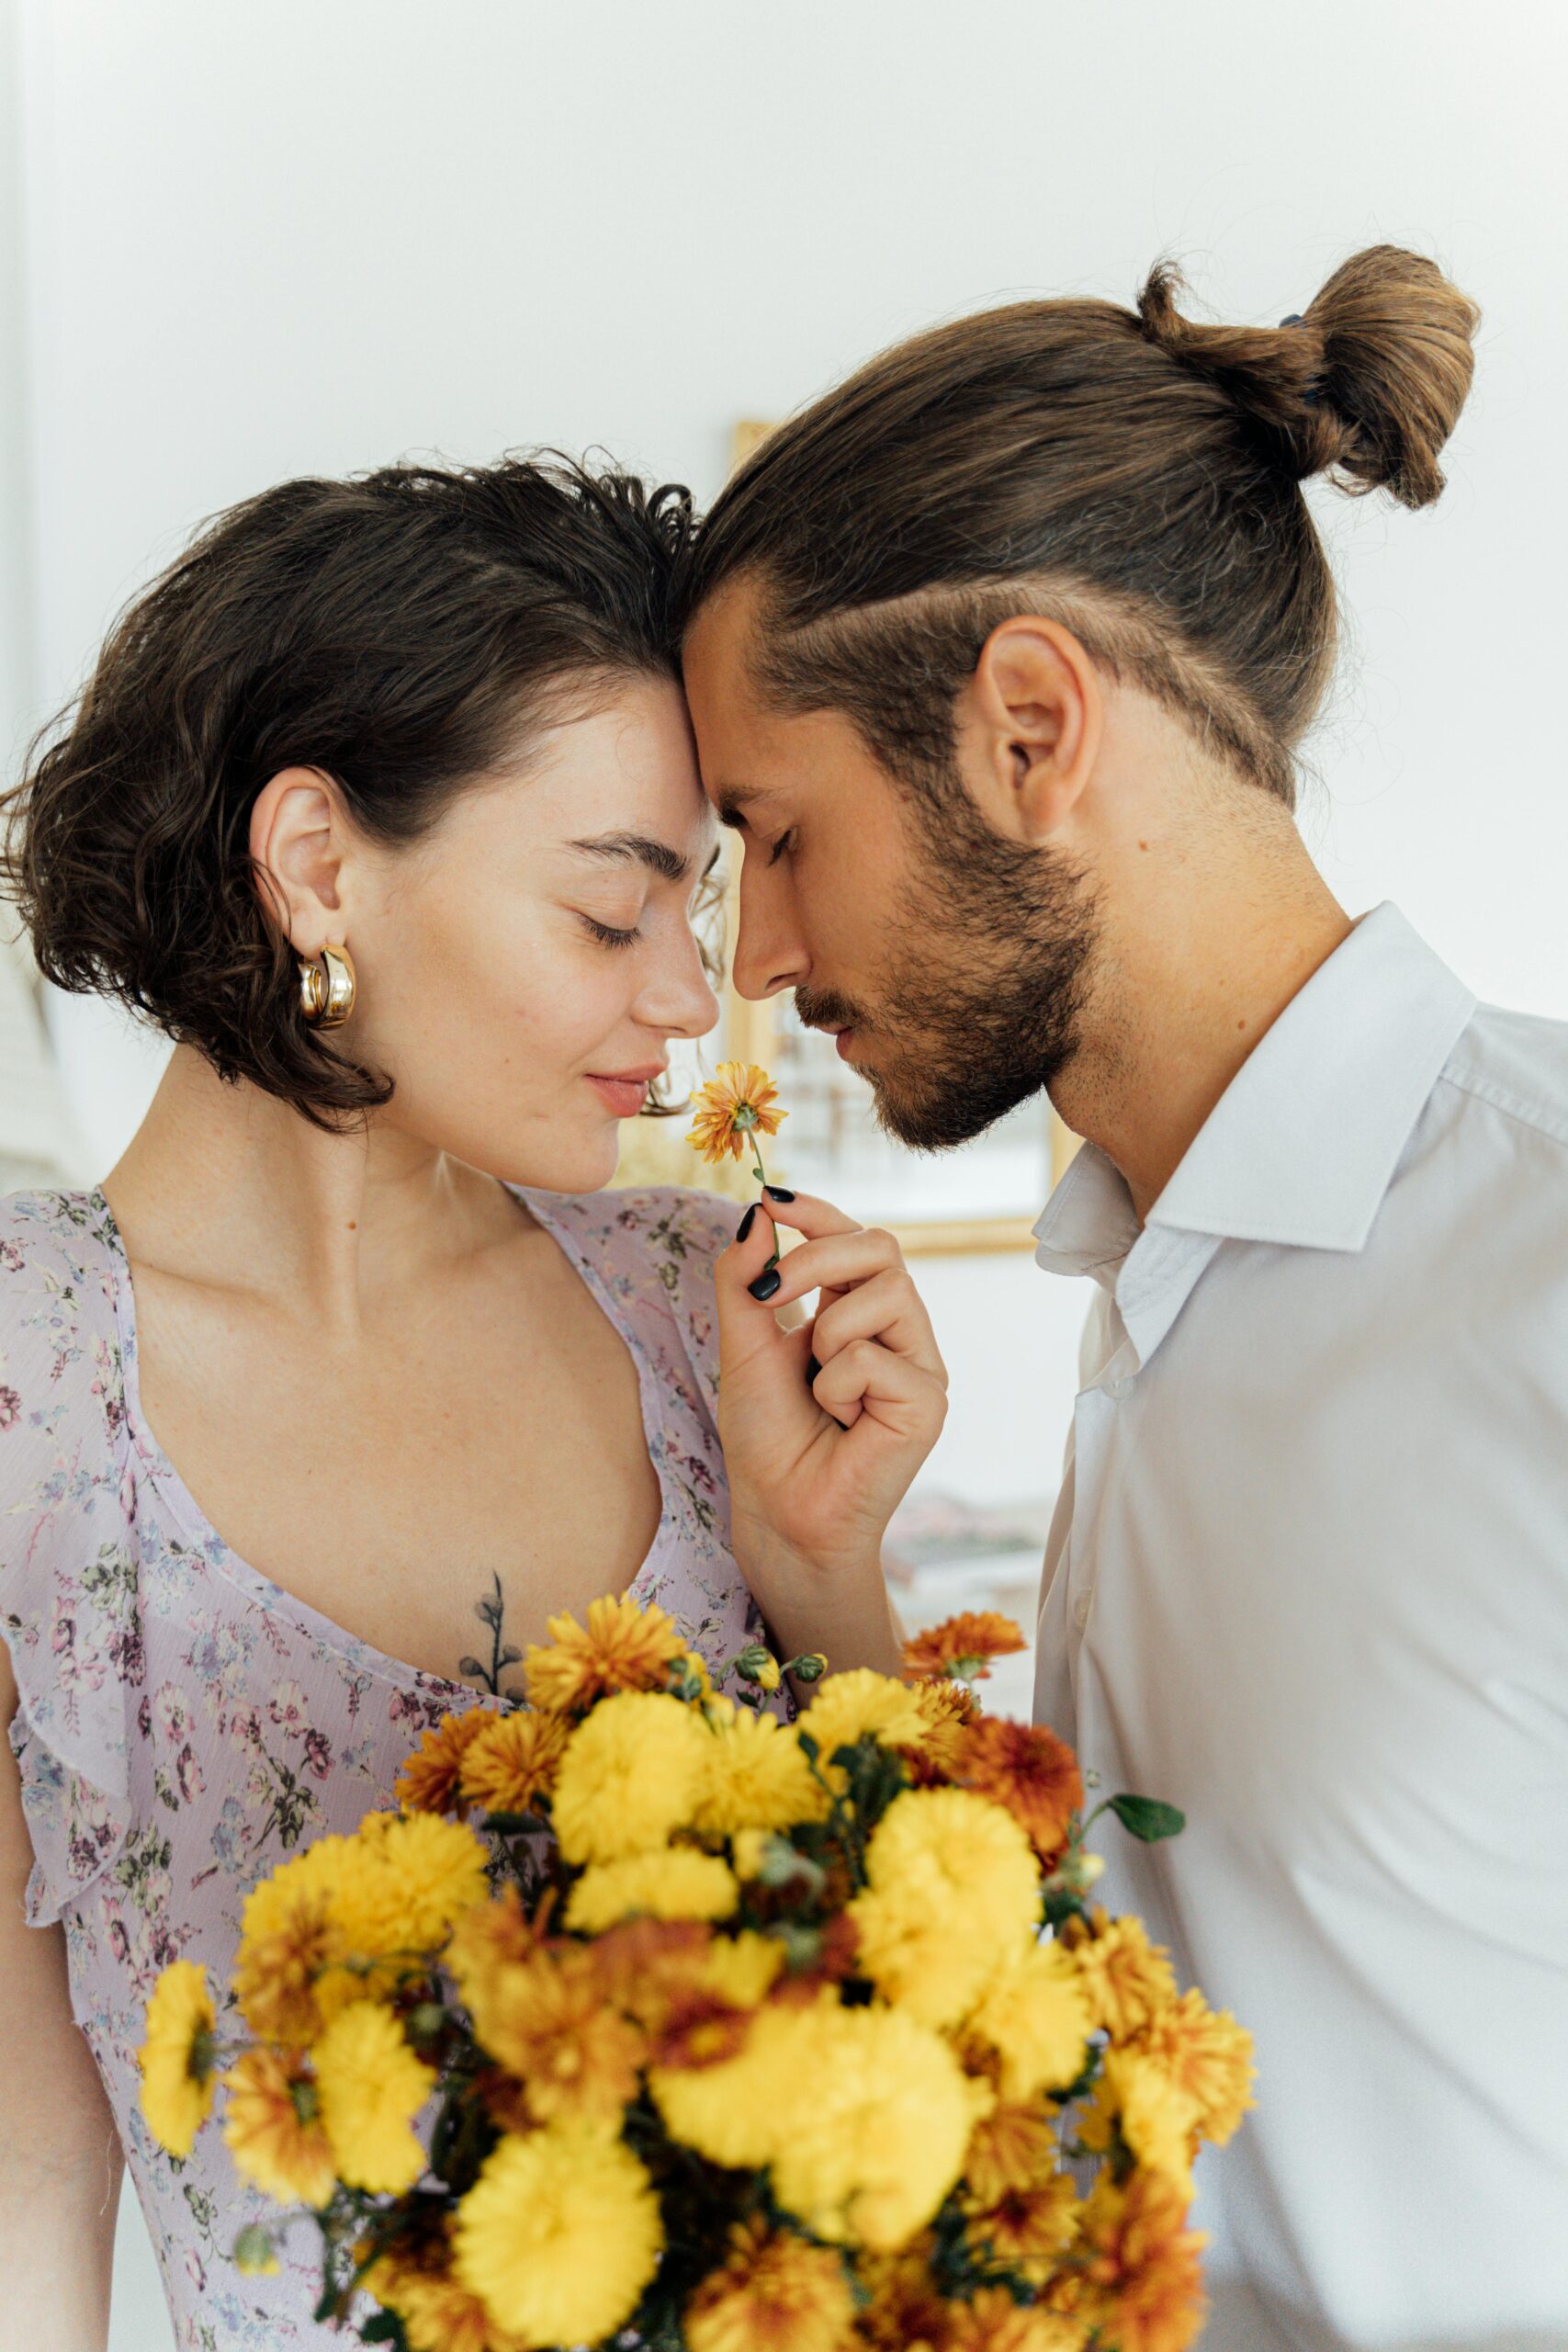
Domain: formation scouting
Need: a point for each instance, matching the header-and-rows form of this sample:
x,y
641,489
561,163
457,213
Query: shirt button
x,y
1080,1612
1117,1389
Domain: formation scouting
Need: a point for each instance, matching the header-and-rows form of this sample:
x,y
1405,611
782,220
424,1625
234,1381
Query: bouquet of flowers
x,y
652,2017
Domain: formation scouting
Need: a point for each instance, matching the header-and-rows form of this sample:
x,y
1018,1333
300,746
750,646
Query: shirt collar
x,y
1303,1145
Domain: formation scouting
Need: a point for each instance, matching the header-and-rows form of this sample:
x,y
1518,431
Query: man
x,y
998,657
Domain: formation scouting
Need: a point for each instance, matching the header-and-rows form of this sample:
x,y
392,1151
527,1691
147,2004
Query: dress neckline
x,y
200,1534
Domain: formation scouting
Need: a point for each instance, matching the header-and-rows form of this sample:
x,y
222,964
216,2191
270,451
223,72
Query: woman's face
x,y
523,968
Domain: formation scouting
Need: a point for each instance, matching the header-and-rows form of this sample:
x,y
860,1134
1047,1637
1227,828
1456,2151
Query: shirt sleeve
x,y
68,1587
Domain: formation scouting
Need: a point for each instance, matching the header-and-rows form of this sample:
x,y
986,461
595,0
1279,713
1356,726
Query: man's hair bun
x,y
1366,385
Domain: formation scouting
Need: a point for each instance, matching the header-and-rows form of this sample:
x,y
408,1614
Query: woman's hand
x,y
818,1459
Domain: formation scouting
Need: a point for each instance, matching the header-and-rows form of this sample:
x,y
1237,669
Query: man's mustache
x,y
825,1009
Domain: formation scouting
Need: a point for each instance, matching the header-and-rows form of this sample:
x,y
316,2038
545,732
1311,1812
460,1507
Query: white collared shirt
x,y
1308,1580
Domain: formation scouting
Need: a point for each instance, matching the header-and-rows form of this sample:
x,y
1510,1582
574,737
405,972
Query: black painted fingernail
x,y
747,1221
778,1192
812,1369
766,1283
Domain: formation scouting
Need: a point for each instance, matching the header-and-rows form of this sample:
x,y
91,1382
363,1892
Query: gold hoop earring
x,y
327,989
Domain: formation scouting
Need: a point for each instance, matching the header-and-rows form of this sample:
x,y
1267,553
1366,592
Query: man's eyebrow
x,y
732,801
637,849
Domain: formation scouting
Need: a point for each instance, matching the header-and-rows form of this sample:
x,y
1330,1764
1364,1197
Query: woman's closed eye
x,y
785,842
607,934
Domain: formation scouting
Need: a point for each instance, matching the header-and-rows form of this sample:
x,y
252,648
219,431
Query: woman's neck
x,y
222,1184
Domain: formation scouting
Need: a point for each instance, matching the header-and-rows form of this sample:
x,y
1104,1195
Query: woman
x,y
382,804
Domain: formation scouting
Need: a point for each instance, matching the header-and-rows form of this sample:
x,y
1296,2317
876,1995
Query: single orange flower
x,y
947,1706
429,1780
1026,1768
1208,2056
1142,2283
775,2292
962,1646
1028,2228
732,1110
273,2127
545,2021
1013,2147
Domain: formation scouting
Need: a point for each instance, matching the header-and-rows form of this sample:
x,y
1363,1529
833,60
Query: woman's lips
x,y
626,1096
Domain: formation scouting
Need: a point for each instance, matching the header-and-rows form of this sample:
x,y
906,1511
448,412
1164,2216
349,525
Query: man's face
x,y
948,963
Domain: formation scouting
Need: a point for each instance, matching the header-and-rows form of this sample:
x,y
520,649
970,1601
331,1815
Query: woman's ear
x,y
299,847
1029,726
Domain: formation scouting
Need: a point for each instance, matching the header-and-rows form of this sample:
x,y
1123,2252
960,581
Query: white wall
x,y
276,235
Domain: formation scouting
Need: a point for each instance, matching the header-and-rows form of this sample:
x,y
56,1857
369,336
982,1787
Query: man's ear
x,y
300,844
1030,725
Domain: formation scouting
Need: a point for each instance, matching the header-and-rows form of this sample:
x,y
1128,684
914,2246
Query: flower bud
x,y
757,1664
255,2256
809,1668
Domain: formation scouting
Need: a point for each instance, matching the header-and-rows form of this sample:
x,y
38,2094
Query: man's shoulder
x,y
1516,1065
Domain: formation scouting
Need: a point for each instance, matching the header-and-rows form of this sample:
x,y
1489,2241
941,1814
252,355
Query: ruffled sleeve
x,y
68,1583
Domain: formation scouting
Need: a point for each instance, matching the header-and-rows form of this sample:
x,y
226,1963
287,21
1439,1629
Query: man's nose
x,y
769,954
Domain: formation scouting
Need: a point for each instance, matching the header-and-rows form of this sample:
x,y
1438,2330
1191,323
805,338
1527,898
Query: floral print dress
x,y
183,1723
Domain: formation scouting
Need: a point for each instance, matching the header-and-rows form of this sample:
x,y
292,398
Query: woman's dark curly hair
x,y
400,632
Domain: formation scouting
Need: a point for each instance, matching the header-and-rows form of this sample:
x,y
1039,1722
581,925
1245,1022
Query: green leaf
x,y
1146,1818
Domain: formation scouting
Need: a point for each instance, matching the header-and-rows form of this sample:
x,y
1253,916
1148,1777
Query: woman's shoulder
x,y
61,1374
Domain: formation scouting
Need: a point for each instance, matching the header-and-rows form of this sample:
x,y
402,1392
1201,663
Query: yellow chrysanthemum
x,y
862,2114
178,2058
672,1883
1028,2229
1034,2020
632,1774
624,1646
757,1775
774,2293
733,1107
743,1969
948,1707
369,2086
846,1707
1209,2058
1013,2147
273,2128
512,1762
1158,2120
954,1888
288,1974
414,1877
559,2236
1127,1980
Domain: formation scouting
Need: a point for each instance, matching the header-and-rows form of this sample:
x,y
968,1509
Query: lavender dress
x,y
184,1723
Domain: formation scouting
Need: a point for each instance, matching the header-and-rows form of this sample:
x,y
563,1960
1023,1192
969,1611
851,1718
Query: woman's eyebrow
x,y
636,849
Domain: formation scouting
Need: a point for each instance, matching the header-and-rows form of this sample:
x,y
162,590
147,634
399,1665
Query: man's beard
x,y
979,1006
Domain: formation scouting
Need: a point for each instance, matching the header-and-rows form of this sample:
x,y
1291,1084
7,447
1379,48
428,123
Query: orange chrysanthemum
x,y
905,2312
544,2019
1208,2057
513,1760
429,1780
994,2323
731,1109
1126,1980
1013,2147
623,1647
774,2293
1029,1771
1142,2283
438,2315
274,2130
1028,2228
962,1646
